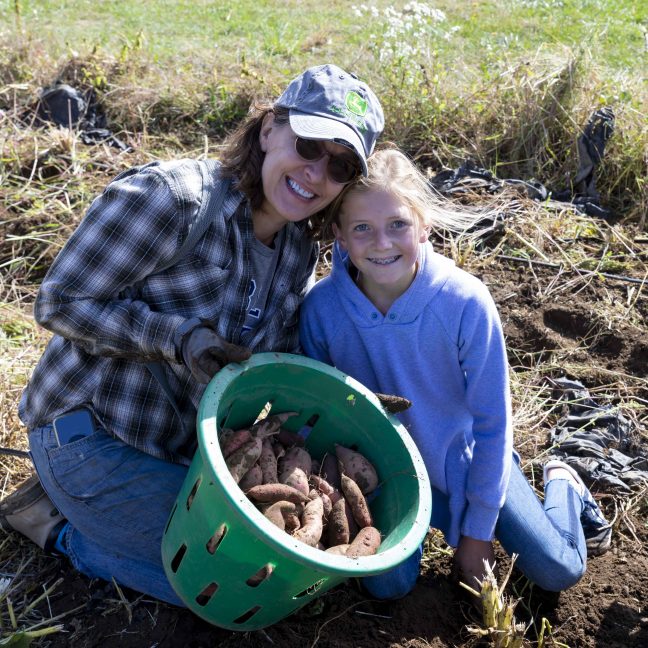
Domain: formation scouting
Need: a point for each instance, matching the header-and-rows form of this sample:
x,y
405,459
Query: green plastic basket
x,y
226,561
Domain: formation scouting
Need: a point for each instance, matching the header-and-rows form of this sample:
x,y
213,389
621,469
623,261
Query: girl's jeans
x,y
548,538
117,500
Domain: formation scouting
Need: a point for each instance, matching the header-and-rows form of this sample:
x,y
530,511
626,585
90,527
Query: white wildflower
x,y
405,38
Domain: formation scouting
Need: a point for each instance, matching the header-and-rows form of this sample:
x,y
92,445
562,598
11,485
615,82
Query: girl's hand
x,y
470,556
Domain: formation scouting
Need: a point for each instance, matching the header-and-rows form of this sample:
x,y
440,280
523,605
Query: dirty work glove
x,y
393,404
205,353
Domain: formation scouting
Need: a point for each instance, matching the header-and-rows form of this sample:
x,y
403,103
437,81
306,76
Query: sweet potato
x,y
357,502
358,467
323,487
263,574
284,416
278,511
292,522
216,539
366,543
353,525
320,484
271,493
268,463
253,477
337,531
296,457
270,425
288,438
312,523
294,469
278,448
296,478
312,494
232,440
243,459
338,550
330,470
328,505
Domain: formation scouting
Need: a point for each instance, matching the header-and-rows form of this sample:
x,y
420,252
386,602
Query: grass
x,y
263,30
508,84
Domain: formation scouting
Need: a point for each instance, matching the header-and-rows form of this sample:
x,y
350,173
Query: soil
x,y
570,326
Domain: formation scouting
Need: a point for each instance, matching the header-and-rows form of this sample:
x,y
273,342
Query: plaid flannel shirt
x,y
111,311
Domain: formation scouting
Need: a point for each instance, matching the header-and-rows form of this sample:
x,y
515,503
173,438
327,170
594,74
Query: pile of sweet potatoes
x,y
322,504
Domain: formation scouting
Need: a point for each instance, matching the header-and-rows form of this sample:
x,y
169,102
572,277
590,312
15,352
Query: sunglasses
x,y
339,168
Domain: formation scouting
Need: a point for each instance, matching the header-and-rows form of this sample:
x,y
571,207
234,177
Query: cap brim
x,y
321,128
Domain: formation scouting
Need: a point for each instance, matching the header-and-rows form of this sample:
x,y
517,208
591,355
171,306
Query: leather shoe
x,y
30,511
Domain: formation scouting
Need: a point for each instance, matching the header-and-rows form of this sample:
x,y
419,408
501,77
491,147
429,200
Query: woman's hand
x,y
206,353
470,556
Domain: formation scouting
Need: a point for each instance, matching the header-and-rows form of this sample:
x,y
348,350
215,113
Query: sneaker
x,y
597,530
30,511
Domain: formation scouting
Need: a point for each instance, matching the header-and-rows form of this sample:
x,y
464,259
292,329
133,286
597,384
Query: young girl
x,y
405,320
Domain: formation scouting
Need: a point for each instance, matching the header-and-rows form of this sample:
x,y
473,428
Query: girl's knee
x,y
559,577
387,589
396,582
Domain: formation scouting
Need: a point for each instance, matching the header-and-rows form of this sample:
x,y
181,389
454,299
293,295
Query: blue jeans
x,y
548,538
117,500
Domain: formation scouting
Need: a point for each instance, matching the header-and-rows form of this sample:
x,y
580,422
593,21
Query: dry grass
x,y
524,121
27,577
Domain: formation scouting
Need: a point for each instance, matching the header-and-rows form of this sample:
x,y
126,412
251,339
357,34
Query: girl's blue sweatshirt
x,y
441,346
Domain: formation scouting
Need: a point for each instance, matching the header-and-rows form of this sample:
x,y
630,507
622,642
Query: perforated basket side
x,y
225,573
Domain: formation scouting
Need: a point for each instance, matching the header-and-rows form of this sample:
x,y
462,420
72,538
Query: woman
x,y
141,323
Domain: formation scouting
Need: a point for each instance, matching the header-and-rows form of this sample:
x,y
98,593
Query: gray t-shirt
x,y
264,263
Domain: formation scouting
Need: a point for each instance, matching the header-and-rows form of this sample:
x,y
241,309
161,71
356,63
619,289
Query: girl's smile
x,y
386,261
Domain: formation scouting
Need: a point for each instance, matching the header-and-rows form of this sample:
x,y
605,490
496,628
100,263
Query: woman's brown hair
x,y
243,157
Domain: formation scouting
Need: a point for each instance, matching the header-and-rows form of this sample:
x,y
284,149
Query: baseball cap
x,y
327,103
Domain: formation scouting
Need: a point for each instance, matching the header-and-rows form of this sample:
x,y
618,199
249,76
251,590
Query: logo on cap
x,y
355,103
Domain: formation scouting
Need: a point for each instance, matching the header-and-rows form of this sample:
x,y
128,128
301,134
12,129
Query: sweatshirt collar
x,y
432,274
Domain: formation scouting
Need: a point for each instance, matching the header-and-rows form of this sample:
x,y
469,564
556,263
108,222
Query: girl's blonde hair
x,y
392,171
